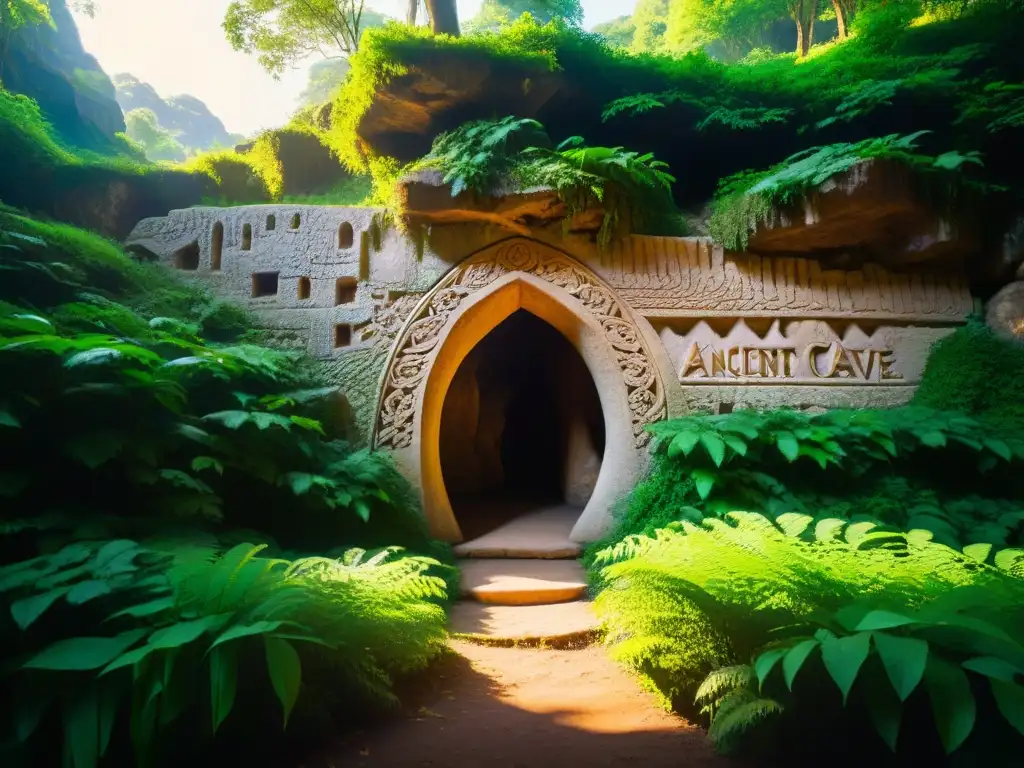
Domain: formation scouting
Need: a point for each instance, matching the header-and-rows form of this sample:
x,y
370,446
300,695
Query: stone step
x,y
522,582
556,626
540,534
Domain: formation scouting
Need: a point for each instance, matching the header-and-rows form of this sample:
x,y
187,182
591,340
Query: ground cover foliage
x,y
955,77
186,536
839,583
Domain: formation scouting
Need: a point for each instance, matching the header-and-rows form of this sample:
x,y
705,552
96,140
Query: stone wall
x,y
737,330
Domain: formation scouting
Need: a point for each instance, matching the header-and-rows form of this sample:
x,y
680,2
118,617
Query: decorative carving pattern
x,y
690,276
415,348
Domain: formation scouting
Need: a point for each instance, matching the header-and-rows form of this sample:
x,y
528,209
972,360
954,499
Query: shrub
x,y
907,468
117,638
698,603
975,372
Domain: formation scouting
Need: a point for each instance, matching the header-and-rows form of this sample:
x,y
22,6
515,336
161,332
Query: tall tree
x,y
804,13
444,17
282,32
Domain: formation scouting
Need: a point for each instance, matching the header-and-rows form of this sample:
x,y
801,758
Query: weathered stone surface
x,y
1005,311
496,581
559,624
438,94
659,324
543,534
877,207
426,199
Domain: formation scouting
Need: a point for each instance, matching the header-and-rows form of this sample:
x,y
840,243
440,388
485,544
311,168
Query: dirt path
x,y
527,708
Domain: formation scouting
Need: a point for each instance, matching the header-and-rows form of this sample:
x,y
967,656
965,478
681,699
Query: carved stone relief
x,y
676,277
417,345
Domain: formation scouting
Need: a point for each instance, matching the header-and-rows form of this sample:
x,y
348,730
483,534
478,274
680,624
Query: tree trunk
x,y
444,17
801,38
810,25
413,6
840,10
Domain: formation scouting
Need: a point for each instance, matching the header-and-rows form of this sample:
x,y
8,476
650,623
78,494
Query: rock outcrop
x,y
1005,311
426,199
49,64
186,117
442,93
878,208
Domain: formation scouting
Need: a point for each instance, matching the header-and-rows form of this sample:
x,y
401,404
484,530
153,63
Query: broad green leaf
x,y
131,658
885,711
185,632
994,667
247,630
788,445
84,653
230,419
33,702
883,620
904,659
146,609
979,552
223,682
715,447
953,705
84,591
200,463
96,356
8,419
683,443
113,550
933,439
843,657
1010,700
998,447
82,728
704,481
737,443
764,663
362,509
1008,559
109,699
94,449
793,524
795,658
285,671
828,529
27,610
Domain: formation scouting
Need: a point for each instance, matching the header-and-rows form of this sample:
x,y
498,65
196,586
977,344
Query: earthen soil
x,y
526,708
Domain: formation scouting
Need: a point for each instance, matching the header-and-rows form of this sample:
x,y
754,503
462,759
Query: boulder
x,y
878,208
1005,312
443,92
50,65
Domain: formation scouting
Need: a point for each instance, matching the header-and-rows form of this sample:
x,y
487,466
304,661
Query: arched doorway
x,y
521,427
522,278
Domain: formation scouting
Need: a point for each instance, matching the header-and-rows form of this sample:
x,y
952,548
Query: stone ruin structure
x,y
486,359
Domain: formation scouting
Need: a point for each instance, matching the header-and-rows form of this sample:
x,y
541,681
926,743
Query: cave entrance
x,y
522,427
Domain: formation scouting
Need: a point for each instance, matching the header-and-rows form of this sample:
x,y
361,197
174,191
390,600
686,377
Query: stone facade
x,y
664,325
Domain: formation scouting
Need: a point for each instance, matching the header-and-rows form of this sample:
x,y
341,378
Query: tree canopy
x,y
283,32
496,13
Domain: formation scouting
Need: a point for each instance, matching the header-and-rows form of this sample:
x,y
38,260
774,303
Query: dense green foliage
x,y
146,434
484,156
845,628
953,77
872,582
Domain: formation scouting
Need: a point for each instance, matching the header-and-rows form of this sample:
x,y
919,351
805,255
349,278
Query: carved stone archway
x,y
461,310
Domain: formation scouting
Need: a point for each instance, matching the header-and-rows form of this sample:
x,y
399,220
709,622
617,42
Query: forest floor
x,y
525,708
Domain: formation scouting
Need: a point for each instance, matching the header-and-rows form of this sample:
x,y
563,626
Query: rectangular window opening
x,y
246,237
264,284
342,335
345,290
304,288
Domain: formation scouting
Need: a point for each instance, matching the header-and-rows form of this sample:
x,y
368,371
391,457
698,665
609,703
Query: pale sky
x,y
178,46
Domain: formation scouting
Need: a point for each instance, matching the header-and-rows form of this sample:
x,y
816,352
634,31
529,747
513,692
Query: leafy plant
x,y
714,611
177,633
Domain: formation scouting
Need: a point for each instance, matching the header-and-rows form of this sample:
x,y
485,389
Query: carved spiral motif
x,y
415,348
